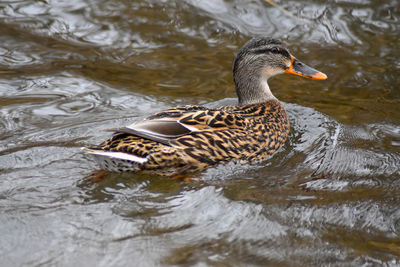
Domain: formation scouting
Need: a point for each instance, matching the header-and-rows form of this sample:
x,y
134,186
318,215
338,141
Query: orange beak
x,y
301,69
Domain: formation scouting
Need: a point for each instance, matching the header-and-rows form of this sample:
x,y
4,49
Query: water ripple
x,y
71,68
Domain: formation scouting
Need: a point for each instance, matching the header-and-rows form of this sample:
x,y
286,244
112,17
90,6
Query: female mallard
x,y
192,138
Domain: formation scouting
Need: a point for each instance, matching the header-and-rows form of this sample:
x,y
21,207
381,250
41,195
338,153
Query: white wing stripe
x,y
190,128
119,155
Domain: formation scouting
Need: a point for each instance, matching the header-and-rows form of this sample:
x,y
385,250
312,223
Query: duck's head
x,y
257,61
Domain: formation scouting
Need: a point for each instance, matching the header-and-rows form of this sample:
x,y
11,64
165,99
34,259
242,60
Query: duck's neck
x,y
253,90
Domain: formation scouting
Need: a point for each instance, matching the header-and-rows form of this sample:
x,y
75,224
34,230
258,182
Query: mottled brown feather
x,y
244,133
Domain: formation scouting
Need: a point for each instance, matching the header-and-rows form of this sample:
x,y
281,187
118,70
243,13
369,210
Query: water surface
x,y
68,69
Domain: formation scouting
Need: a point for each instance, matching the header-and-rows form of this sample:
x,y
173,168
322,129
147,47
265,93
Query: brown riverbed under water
x,y
68,69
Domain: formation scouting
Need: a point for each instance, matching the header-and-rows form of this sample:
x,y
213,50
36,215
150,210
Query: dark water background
x,y
68,69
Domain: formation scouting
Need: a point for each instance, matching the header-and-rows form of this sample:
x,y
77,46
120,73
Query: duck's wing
x,y
159,130
176,122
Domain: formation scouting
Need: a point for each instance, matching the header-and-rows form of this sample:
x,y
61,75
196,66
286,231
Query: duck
x,y
192,138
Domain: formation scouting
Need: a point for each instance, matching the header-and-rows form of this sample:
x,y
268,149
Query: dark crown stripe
x,y
273,50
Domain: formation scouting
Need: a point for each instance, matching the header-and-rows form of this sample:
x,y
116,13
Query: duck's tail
x,y
116,161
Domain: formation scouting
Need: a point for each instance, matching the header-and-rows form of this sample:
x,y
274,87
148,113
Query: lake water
x,y
68,69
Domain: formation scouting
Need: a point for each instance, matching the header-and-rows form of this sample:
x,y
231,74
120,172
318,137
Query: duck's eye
x,y
274,50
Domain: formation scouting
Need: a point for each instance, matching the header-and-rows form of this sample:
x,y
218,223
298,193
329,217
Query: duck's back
x,y
200,138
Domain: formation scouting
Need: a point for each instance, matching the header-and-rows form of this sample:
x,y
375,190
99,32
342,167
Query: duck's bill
x,y
299,68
